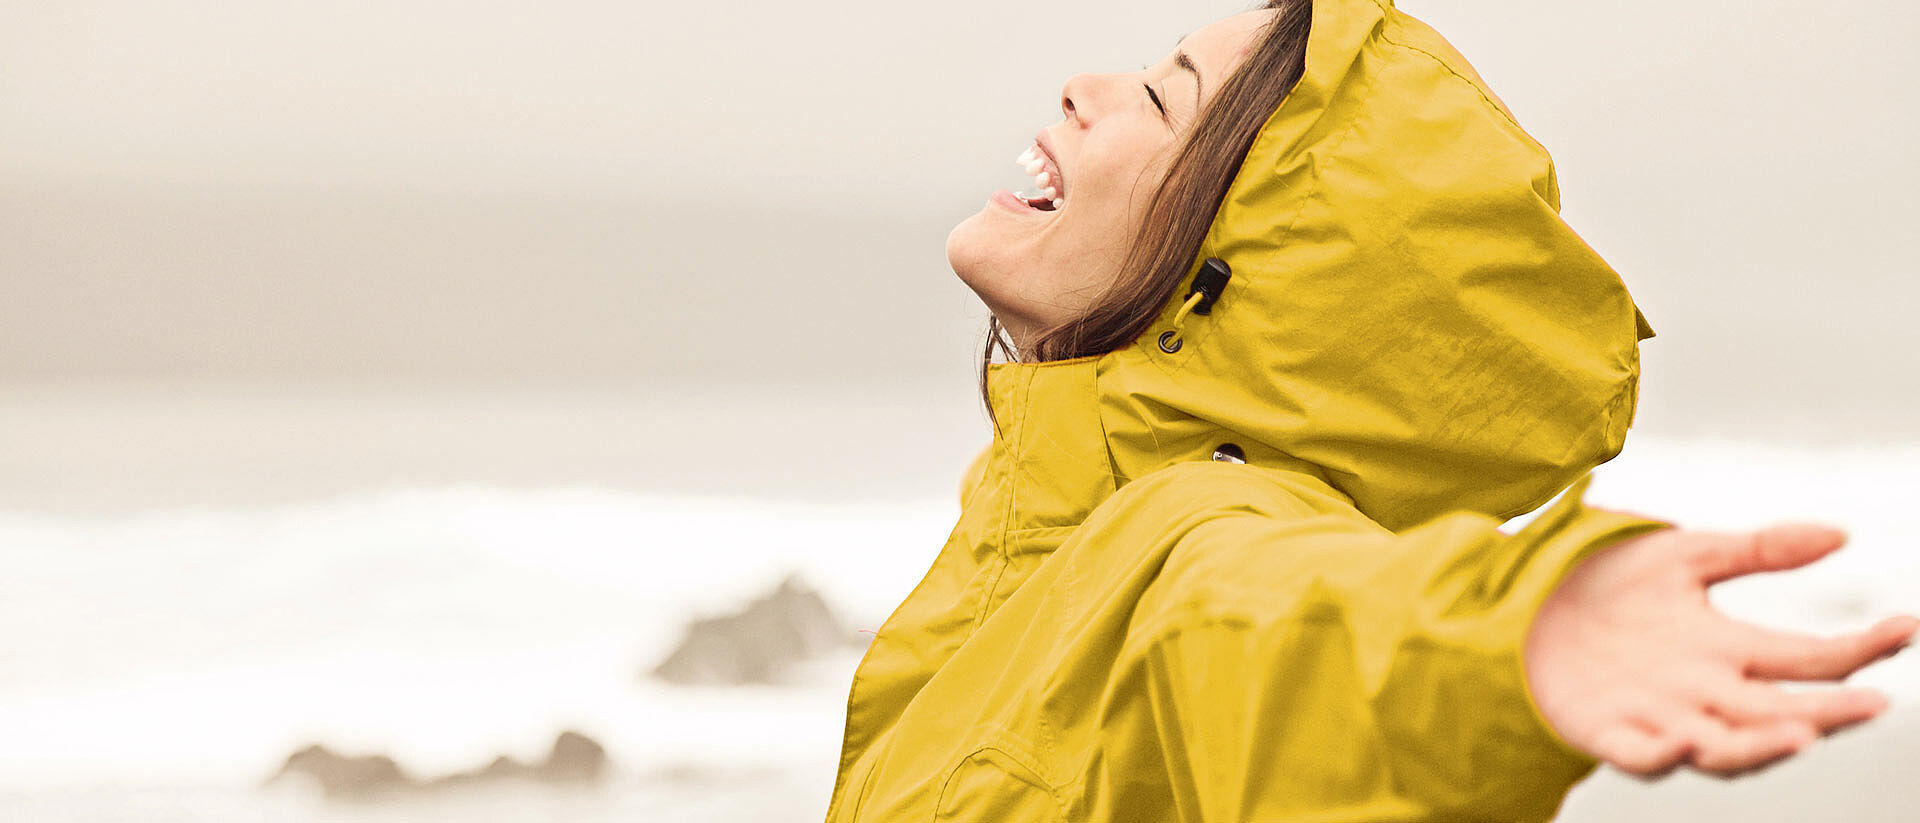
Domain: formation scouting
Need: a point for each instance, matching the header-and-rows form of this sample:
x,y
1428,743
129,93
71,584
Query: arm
x,y
1324,667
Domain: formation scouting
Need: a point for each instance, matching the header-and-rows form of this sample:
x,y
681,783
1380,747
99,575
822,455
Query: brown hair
x,y
1183,204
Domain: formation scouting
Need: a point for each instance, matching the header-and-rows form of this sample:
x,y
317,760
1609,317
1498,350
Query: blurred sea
x,y
197,584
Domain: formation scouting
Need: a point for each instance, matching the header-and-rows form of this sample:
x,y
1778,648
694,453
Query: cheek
x,y
1124,164
1111,205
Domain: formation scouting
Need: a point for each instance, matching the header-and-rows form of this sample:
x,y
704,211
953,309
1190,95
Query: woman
x,y
1296,327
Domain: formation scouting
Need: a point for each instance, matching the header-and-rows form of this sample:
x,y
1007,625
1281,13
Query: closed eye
x,y
1156,100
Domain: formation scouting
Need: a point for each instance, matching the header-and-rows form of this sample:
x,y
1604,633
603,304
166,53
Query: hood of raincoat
x,y
1407,313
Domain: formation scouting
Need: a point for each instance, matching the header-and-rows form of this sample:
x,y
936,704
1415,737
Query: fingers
x,y
1641,753
1716,556
1751,748
1747,702
1729,751
1779,655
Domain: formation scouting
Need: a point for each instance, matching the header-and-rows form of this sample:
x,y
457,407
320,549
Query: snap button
x,y
1229,453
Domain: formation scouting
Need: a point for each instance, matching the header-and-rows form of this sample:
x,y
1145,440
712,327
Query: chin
x,y
978,259
994,260
969,251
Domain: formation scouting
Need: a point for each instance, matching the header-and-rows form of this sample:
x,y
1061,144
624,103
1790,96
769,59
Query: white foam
x,y
442,626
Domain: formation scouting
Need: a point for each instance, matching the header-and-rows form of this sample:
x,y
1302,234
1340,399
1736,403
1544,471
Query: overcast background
x,y
644,194
293,253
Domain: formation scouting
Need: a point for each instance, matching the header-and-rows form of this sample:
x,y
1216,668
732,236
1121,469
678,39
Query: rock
x,y
574,759
345,777
755,644
502,768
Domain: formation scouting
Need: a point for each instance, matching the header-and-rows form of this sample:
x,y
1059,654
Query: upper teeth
x,y
1033,162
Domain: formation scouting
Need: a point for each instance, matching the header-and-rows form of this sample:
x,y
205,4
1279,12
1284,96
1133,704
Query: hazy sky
x,y
801,102
435,187
913,103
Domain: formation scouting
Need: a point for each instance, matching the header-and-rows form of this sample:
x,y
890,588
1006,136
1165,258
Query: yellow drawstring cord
x,y
1192,300
1207,285
1170,341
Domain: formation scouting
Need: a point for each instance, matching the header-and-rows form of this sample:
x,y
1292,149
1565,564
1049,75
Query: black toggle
x,y
1210,281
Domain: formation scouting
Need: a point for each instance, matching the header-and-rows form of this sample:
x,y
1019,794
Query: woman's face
x,y
1035,268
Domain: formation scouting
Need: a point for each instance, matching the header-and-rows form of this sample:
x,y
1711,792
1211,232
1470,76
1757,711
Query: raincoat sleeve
x,y
1313,665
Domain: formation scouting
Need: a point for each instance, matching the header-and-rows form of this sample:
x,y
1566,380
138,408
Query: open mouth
x,y
1036,203
1049,183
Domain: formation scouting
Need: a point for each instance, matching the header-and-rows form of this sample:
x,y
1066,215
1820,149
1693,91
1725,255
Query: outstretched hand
x,y
1630,662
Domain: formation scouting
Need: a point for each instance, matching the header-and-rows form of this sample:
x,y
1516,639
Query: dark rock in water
x,y
340,776
754,645
574,759
502,768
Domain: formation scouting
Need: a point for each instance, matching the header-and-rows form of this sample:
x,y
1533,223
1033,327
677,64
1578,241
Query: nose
x,y
1078,92
1086,95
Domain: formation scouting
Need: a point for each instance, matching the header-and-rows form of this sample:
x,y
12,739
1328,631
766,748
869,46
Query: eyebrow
x,y
1183,61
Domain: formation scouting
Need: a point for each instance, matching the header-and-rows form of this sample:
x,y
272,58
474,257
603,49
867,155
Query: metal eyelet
x,y
1229,453
1169,347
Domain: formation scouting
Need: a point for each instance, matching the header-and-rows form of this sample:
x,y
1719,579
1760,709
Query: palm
x,y
1630,662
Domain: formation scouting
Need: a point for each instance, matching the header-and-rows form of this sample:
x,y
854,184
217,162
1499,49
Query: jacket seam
x,y
1014,469
986,598
1100,417
1006,520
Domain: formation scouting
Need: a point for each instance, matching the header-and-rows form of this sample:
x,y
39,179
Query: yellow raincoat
x,y
1413,348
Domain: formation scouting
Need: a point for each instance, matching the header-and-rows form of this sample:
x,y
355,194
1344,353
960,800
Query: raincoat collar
x,y
1065,442
1049,442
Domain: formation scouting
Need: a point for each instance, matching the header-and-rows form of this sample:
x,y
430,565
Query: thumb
x,y
1782,546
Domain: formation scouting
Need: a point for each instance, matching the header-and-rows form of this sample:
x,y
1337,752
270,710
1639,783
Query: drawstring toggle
x,y
1208,284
